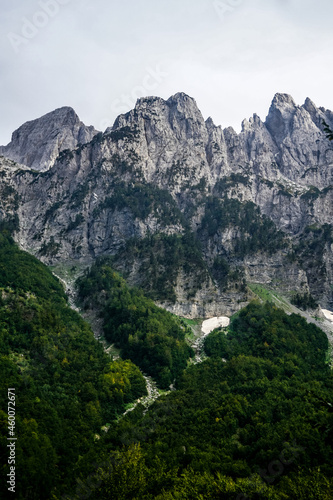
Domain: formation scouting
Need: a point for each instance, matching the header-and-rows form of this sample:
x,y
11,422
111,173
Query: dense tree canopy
x,y
252,421
150,336
67,388
257,424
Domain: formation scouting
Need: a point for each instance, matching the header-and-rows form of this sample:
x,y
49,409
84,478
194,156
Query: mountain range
x,y
167,209
194,214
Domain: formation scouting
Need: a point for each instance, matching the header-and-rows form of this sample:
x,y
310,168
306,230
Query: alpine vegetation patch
x,y
39,20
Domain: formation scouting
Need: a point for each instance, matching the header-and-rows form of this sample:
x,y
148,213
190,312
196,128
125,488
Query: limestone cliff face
x,y
162,173
37,143
303,154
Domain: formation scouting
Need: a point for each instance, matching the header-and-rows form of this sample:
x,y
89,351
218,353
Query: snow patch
x,y
210,324
328,314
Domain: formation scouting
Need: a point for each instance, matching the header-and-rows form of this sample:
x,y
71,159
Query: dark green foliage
x,y
78,196
326,190
226,276
162,257
312,194
257,232
51,211
218,345
97,139
324,233
257,426
310,250
253,421
75,223
20,271
267,332
304,301
328,131
221,271
143,200
257,423
147,334
284,191
233,180
124,133
177,170
308,170
122,167
268,183
201,186
65,155
49,249
66,386
9,224
8,194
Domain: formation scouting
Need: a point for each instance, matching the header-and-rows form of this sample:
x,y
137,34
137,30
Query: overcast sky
x,y
98,56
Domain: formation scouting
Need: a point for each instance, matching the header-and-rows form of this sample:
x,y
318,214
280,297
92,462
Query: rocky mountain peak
x,y
253,122
280,115
63,115
184,104
37,143
185,117
175,119
180,101
210,123
283,101
309,105
162,170
181,98
149,103
318,115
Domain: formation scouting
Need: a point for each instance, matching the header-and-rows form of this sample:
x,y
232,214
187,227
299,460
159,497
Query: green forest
x,y
162,257
258,232
150,336
67,387
252,421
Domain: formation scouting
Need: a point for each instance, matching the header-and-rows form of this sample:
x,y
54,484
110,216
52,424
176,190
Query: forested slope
x,y
151,337
253,421
256,424
66,387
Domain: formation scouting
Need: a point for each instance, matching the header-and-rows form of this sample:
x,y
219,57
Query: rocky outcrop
x,y
162,170
38,143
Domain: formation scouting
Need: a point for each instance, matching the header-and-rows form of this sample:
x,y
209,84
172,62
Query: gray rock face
x,y
280,117
38,143
162,170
